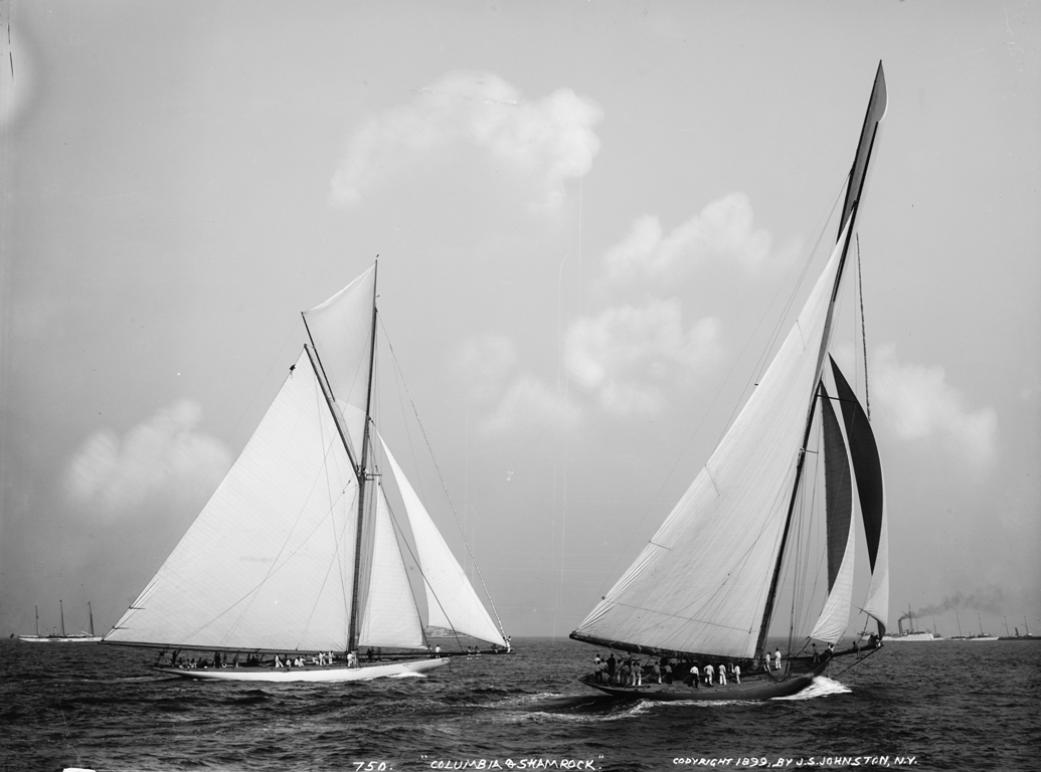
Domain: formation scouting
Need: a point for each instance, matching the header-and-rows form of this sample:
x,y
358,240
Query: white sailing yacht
x,y
62,637
315,546
744,540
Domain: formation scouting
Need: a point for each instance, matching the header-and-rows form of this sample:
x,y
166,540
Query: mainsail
x,y
701,583
268,561
707,581
300,547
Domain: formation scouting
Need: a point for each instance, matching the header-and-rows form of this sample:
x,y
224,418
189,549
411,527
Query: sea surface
x,y
963,705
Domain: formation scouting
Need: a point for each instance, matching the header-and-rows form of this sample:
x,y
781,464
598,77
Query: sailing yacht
x,y
745,540
62,637
315,549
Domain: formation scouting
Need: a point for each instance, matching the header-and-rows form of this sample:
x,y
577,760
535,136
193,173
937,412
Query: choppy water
x,y
949,705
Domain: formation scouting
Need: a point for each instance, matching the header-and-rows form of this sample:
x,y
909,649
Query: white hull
x,y
312,675
60,638
911,638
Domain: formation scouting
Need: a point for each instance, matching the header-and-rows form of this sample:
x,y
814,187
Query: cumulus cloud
x,y
628,355
530,404
920,405
546,141
110,475
723,229
514,400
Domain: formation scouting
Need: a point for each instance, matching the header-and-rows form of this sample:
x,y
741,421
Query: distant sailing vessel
x,y
315,545
743,540
62,637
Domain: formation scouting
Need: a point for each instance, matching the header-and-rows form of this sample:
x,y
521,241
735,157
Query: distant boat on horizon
x,y
766,524
62,637
315,559
911,635
1017,637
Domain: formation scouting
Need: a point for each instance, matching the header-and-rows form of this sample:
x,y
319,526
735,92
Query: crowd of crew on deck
x,y
695,673
631,671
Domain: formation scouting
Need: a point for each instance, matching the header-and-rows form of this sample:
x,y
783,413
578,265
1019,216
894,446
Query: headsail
x,y
867,467
391,617
450,598
838,485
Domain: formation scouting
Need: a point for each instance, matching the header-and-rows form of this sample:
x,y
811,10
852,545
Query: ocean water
x,y
945,705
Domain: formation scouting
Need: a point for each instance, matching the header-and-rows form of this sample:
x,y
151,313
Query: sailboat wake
x,y
822,686
577,708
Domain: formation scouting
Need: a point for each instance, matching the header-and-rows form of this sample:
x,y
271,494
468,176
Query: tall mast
x,y
61,613
90,612
875,110
352,630
37,610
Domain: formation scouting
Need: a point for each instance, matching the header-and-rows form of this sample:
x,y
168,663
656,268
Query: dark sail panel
x,y
838,487
876,109
867,465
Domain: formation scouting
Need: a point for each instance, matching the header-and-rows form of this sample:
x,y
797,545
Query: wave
x,y
822,686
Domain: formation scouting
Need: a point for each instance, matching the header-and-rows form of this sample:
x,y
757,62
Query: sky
x,y
588,216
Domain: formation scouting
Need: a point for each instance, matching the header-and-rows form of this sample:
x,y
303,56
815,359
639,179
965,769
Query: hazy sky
x,y
588,215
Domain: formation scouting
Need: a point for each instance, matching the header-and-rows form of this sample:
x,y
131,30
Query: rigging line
x,y
863,332
859,660
441,479
560,471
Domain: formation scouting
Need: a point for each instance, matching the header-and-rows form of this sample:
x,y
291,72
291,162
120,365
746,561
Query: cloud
x,y
110,476
920,405
530,404
628,355
514,400
723,229
546,141
487,360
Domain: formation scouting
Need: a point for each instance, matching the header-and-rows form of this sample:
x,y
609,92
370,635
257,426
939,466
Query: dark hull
x,y
753,688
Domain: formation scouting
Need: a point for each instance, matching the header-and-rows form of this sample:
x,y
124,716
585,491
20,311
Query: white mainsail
x,y
267,564
701,583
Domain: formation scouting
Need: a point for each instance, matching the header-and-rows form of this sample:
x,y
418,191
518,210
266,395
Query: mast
x,y
875,110
327,392
37,610
352,629
61,613
90,613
